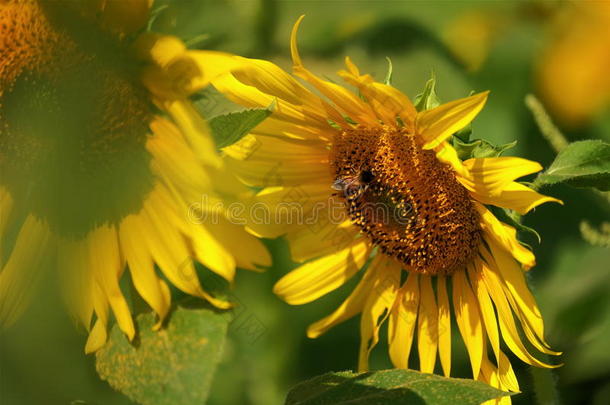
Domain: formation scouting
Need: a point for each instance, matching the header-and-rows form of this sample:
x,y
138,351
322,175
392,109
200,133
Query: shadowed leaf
x,y
390,387
173,366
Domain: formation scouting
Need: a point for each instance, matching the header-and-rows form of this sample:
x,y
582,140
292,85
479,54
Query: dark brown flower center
x,y
405,199
73,118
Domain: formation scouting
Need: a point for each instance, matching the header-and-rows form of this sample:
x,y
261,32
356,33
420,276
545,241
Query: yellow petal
x,y
142,268
486,308
198,68
402,323
168,141
272,80
506,374
377,308
313,113
226,184
259,82
312,241
352,305
490,375
519,296
185,194
437,124
159,49
348,102
307,135
97,337
468,319
23,269
77,278
502,377
248,251
444,325
210,252
266,147
186,173
515,196
175,72
280,173
321,276
98,334
107,266
195,131
387,102
279,210
427,331
508,329
447,154
169,250
506,236
167,73
488,176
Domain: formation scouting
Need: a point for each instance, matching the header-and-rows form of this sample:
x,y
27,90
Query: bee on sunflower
x,y
102,155
442,247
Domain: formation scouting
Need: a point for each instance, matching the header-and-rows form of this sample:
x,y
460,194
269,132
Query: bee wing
x,y
339,185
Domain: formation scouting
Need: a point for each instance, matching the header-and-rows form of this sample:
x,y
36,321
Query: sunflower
x,y
576,58
348,159
103,159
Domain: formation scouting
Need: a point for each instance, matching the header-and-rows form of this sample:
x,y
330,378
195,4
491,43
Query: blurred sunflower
x,y
102,156
373,149
572,72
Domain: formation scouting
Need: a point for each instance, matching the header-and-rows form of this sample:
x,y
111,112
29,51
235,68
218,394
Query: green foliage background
x,y
42,359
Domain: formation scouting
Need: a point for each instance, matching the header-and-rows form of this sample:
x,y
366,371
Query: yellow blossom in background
x,y
102,156
443,248
572,72
471,35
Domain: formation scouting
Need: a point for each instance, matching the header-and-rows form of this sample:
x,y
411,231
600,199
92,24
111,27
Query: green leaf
x,y
428,99
172,366
230,128
580,164
478,148
391,387
210,103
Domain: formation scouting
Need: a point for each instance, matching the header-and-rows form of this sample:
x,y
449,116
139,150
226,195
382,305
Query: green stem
x,y
550,132
595,236
545,386
266,21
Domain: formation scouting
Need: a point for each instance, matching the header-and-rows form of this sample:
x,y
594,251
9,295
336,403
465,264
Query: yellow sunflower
x,y
104,161
348,159
576,60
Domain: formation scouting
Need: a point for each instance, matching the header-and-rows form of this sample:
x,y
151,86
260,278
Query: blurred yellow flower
x,y
470,36
102,156
373,149
573,70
